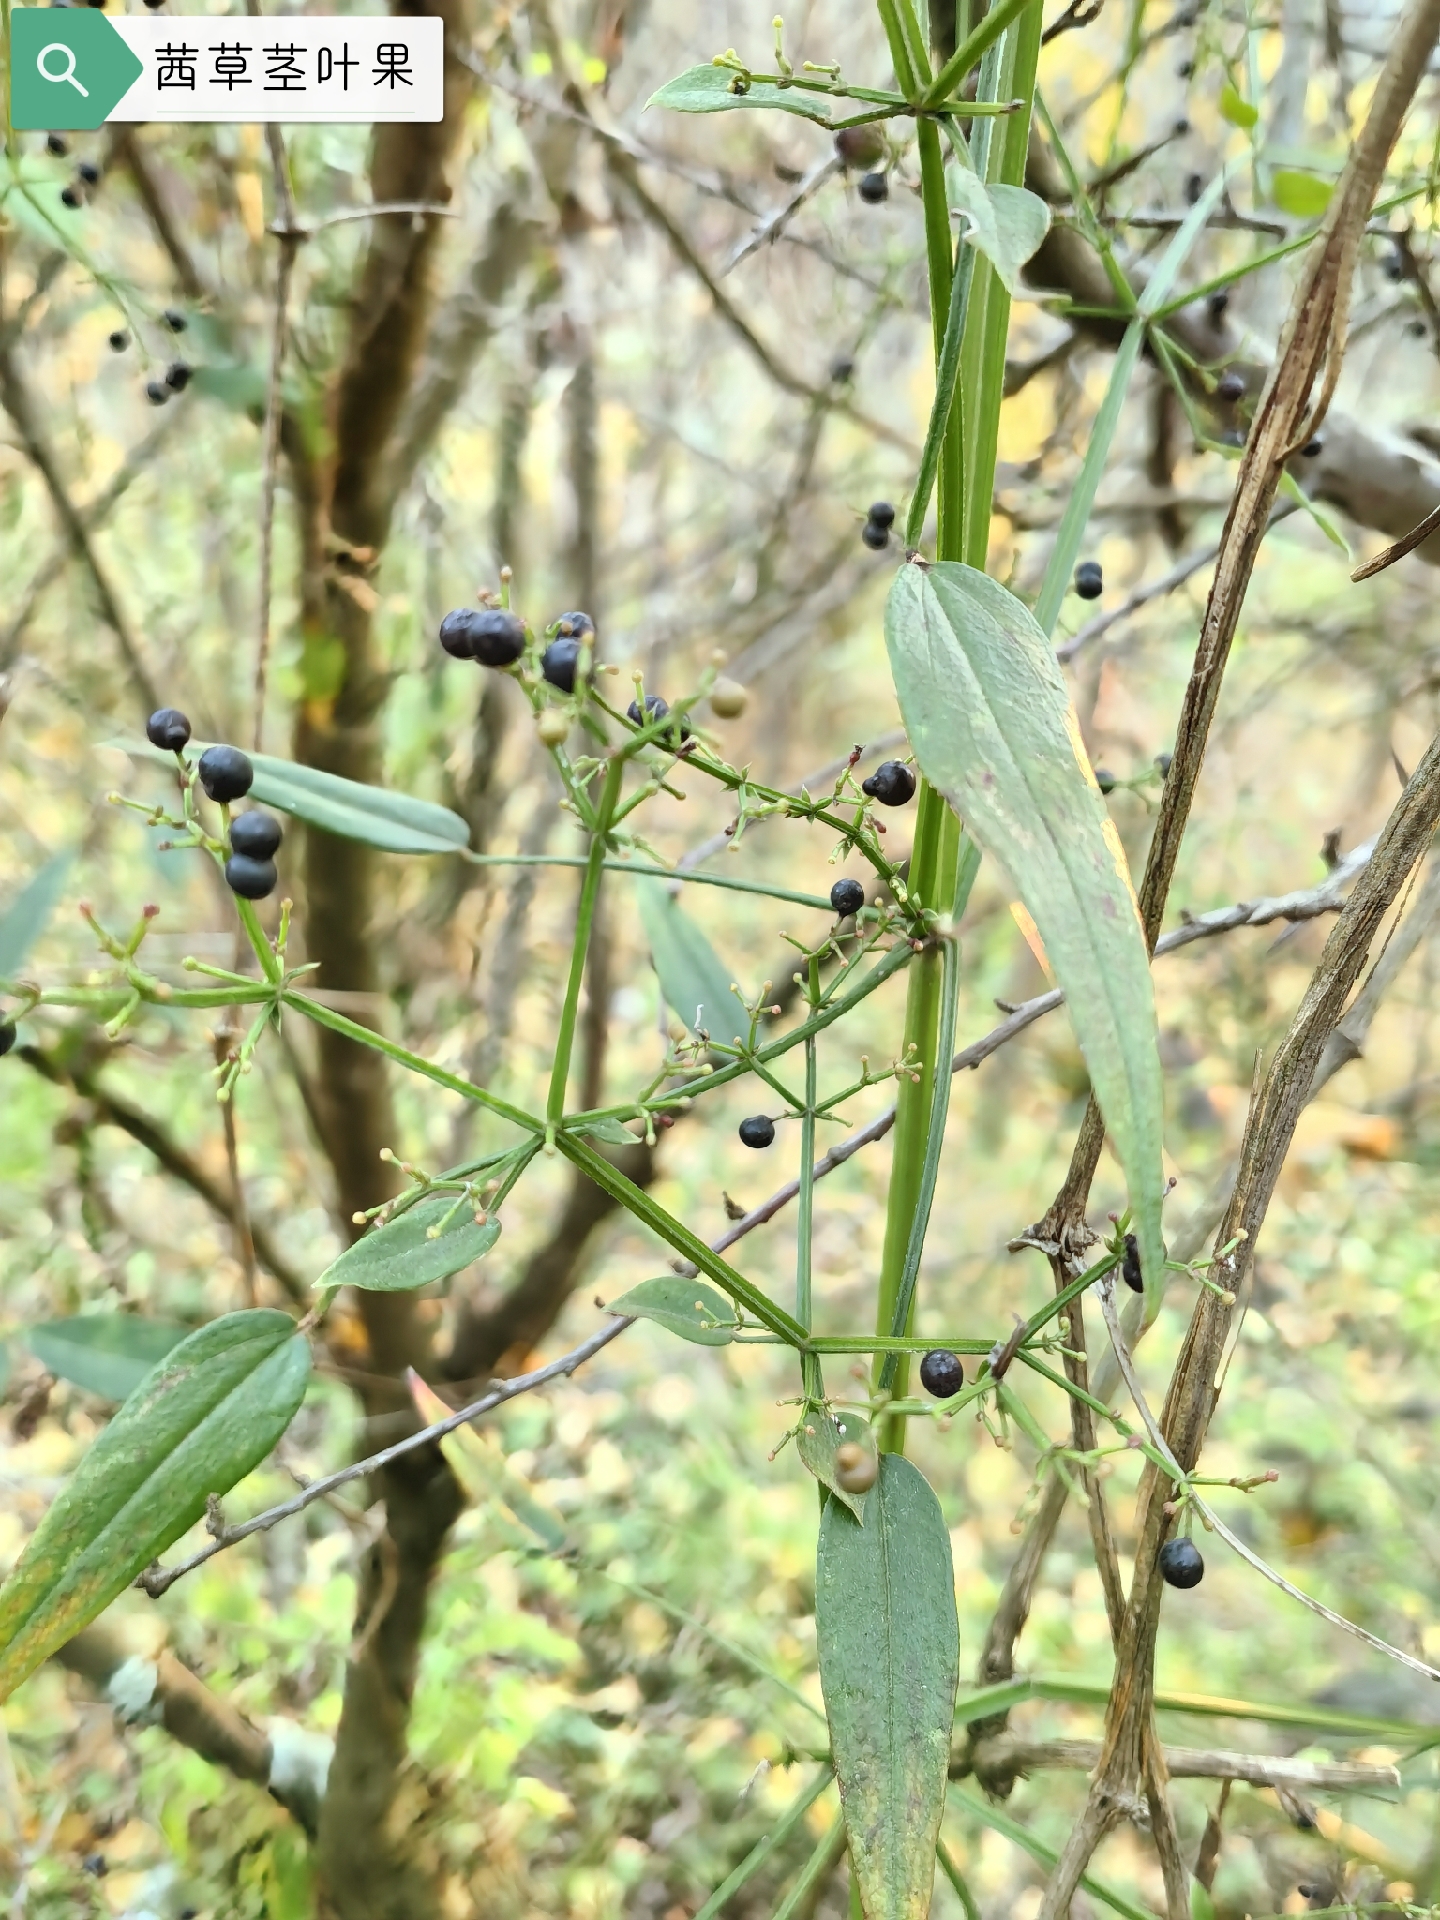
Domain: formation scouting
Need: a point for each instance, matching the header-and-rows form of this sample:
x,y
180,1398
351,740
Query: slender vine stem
x,y
584,921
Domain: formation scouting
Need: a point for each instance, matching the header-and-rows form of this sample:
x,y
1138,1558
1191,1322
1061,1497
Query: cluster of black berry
x,y
87,174
177,374
227,775
878,522
492,635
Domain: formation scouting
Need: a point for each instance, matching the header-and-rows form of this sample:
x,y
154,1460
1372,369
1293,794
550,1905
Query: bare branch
x,y
289,1762
22,408
1004,1754
158,1580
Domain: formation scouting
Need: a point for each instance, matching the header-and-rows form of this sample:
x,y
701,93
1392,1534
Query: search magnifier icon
x,y
67,66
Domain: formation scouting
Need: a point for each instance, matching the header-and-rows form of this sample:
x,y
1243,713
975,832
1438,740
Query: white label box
x,y
290,68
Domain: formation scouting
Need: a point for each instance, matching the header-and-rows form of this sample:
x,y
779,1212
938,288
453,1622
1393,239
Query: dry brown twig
x,y
1311,342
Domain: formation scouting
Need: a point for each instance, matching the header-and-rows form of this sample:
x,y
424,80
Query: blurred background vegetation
x,y
617,1687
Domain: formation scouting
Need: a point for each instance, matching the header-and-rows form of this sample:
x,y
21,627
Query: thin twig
x,y
1003,1754
158,1580
1308,904
774,224
290,235
1149,590
1398,549
1212,1519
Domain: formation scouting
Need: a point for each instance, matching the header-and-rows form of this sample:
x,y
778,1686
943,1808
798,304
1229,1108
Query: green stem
x,y
687,874
584,920
970,50
806,1205
648,1211
929,1172
324,1016
966,470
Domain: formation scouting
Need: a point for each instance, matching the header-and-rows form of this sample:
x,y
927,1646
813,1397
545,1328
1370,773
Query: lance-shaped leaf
x,y
695,984
992,726
889,1645
26,918
415,1249
692,1308
106,1353
712,89
208,1414
392,822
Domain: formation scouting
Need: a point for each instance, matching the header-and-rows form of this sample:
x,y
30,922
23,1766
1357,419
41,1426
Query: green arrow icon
x,y
69,68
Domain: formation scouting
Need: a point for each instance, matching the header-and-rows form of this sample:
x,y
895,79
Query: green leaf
x,y
821,1432
106,1353
707,89
1301,194
991,1816
1292,488
614,1133
209,1413
992,727
28,915
393,822
402,1255
1202,1907
240,389
1007,224
889,1664
692,1308
1238,112
693,980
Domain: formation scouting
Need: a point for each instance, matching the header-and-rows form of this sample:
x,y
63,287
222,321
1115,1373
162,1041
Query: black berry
x,y
176,322
1216,303
455,635
7,1037
119,340
558,663
1089,580
89,173
57,144
874,187
882,513
251,879
1180,1564
168,729
257,835
1130,1265
1194,187
1164,761
847,897
757,1131
152,4
1230,386
226,773
842,369
69,197
1105,780
575,626
892,784
497,637
1394,264
156,392
875,537
941,1373
1311,448
177,377
655,709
